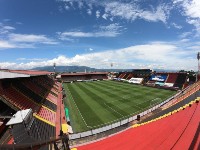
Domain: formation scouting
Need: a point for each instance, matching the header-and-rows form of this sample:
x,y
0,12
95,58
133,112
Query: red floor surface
x,y
60,114
173,132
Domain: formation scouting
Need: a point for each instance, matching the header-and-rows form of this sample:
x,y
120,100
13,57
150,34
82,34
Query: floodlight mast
x,y
54,67
198,57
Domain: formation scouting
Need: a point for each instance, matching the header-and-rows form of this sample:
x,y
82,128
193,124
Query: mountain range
x,y
88,69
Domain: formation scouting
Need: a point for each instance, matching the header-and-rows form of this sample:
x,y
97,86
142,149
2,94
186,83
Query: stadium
x,y
133,110
99,74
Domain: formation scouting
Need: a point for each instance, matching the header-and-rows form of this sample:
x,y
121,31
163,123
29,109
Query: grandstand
x,y
22,90
136,73
70,77
38,100
171,80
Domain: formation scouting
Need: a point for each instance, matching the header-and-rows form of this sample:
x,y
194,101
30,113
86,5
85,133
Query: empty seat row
x,y
47,115
18,100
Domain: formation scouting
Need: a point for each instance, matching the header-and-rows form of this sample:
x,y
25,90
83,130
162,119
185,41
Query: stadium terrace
x,y
140,109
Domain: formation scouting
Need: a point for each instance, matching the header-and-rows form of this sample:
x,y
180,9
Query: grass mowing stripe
x,y
111,100
75,118
100,100
107,95
116,86
117,91
124,87
133,93
70,95
85,106
125,98
124,103
128,104
140,106
152,91
114,110
112,94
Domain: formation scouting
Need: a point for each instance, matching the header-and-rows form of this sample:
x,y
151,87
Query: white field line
x,y
78,108
114,110
119,119
113,121
149,100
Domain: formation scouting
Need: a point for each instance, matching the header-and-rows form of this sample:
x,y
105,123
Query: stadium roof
x,y
31,72
19,117
83,73
6,74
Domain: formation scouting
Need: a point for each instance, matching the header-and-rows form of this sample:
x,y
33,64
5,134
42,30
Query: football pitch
x,y
98,103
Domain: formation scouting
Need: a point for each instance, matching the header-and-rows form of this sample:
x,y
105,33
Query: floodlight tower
x,y
54,67
198,57
111,65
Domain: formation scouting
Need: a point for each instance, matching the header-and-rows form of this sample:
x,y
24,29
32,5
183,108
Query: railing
x,y
36,145
178,97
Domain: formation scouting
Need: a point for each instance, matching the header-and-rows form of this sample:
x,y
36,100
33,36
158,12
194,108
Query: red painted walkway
x,y
60,114
176,131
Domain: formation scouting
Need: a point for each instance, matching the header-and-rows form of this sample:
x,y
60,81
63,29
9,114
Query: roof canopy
x,y
5,74
19,117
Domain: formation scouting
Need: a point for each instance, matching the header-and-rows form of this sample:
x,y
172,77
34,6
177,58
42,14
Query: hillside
x,y
77,69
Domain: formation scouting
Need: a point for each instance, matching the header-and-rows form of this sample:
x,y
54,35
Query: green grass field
x,y
94,104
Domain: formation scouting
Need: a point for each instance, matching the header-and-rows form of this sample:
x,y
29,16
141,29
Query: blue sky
x,y
162,34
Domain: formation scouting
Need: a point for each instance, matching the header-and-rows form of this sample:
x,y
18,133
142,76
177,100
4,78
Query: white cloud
x,y
30,38
176,26
184,40
97,13
191,9
19,23
156,15
67,7
112,30
8,39
89,12
196,23
8,65
9,44
185,35
80,4
8,28
6,44
4,29
111,27
79,34
90,49
151,55
105,16
128,10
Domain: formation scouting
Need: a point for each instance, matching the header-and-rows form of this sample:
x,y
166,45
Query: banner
x,y
169,84
136,80
159,83
161,78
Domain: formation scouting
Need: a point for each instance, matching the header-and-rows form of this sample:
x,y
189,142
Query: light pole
x,y
54,67
198,57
